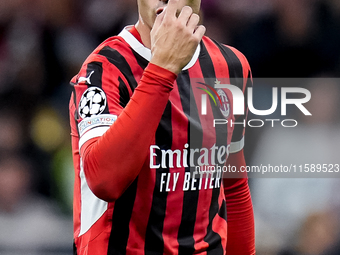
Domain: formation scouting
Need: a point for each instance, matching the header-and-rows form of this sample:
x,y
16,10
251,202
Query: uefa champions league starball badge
x,y
92,102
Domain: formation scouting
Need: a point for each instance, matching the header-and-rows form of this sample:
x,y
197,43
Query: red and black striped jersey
x,y
173,205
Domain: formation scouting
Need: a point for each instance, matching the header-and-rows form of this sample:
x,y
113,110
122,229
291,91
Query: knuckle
x,y
180,26
187,34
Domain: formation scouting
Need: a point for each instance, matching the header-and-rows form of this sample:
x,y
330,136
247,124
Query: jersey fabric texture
x,y
140,136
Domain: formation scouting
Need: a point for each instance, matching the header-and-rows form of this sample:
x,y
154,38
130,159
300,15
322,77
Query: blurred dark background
x,y
42,46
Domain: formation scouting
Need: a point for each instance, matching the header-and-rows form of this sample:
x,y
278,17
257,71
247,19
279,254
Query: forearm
x,y
114,160
240,217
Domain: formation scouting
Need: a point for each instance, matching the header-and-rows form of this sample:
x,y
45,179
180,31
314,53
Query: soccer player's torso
x,y
176,204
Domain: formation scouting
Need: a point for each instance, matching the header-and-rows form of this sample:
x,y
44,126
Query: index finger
x,y
171,8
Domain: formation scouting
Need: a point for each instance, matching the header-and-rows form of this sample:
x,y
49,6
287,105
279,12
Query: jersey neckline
x,y
144,52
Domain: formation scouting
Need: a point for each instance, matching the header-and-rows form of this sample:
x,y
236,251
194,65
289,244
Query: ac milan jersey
x,y
175,205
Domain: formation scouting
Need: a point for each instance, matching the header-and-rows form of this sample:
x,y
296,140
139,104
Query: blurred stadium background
x,y
44,42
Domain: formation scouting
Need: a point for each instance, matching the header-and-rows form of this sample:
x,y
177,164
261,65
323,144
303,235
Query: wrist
x,y
172,67
162,72
162,75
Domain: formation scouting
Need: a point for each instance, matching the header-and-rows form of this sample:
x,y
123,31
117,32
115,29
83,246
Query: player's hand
x,y
175,39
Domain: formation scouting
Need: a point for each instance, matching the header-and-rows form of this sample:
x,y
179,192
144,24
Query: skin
x,y
160,25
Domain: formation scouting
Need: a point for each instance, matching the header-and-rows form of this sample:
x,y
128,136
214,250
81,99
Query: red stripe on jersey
x,y
174,209
205,194
136,34
221,68
220,65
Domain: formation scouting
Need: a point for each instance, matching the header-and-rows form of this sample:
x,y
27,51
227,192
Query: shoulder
x,y
110,55
229,61
232,55
113,48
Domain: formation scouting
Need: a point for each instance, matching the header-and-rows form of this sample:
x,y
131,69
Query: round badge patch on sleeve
x,y
92,102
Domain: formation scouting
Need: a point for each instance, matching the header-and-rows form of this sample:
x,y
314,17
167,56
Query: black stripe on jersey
x,y
236,78
212,238
249,84
74,248
120,221
238,132
234,64
96,78
222,212
142,62
115,58
124,96
154,242
185,237
76,114
209,74
185,92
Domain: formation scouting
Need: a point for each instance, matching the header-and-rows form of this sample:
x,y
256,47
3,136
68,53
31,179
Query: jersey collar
x,y
146,53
